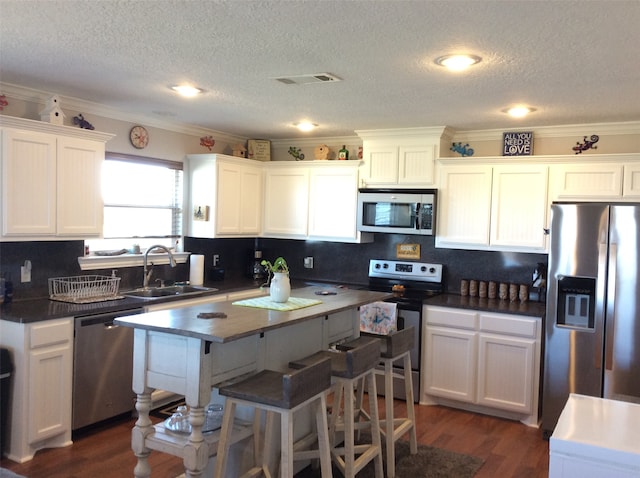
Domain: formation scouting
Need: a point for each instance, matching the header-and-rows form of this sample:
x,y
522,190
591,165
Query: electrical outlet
x,y
308,262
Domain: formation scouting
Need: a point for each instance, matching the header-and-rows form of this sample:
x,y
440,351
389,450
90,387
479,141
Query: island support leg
x,y
142,429
196,451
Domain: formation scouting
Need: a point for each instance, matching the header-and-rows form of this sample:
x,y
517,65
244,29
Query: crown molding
x,y
559,131
562,131
76,104
44,127
313,142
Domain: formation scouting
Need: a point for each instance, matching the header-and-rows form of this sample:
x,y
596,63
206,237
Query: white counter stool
x,y
282,393
396,346
354,361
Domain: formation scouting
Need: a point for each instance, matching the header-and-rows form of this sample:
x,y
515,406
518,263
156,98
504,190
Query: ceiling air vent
x,y
307,79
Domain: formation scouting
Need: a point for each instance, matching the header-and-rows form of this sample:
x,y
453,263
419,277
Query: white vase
x,y
280,287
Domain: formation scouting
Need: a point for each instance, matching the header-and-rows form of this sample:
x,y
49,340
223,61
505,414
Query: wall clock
x,y
139,137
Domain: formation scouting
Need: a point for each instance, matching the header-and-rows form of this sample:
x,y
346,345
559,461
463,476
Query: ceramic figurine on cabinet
x,y
83,123
586,144
296,153
321,152
239,151
207,142
52,112
463,150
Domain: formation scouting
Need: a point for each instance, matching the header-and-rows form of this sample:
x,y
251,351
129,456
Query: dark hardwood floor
x,y
510,449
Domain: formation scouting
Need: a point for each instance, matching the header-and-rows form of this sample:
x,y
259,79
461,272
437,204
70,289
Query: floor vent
x,y
307,79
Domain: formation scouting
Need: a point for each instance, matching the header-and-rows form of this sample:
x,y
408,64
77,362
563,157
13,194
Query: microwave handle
x,y
418,217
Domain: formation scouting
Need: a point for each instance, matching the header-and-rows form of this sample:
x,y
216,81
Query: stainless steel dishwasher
x,y
102,368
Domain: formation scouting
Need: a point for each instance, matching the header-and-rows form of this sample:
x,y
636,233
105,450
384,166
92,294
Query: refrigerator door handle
x,y
611,312
600,305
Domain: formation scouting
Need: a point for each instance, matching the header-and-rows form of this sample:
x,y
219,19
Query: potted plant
x,y
279,285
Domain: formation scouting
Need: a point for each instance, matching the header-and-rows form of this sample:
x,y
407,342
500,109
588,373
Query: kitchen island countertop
x,y
242,321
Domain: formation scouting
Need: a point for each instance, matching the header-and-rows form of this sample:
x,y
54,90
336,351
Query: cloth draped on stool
x,y
379,317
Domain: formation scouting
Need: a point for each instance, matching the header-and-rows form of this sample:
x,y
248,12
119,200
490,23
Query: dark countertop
x,y
36,310
531,309
242,321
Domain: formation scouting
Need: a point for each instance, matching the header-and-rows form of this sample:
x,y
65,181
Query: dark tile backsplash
x,y
335,262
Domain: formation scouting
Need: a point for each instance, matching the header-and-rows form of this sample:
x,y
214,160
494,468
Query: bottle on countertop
x,y
258,272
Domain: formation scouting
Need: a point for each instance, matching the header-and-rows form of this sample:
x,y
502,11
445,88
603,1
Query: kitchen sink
x,y
172,291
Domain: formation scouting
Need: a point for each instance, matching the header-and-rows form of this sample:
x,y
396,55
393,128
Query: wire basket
x,y
84,289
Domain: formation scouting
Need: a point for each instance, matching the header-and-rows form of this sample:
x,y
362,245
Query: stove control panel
x,y
420,271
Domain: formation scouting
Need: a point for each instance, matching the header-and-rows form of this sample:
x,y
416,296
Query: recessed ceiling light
x,y
305,126
186,90
519,111
457,62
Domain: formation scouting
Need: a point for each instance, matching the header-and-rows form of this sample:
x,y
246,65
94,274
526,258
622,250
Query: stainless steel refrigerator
x,y
592,344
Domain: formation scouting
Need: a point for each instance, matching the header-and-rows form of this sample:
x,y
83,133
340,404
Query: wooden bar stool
x,y
396,346
282,393
353,361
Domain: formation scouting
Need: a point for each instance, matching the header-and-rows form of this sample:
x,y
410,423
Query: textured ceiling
x,y
575,61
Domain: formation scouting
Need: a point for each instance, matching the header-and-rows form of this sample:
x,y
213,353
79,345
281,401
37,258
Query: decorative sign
x,y
259,149
200,213
408,251
517,144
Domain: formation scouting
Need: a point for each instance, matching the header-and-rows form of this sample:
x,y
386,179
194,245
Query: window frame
x,y
177,211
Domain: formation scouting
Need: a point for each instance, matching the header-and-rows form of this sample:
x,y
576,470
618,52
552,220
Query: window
x,y
142,202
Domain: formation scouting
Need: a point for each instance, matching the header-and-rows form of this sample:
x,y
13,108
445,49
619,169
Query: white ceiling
x,y
575,61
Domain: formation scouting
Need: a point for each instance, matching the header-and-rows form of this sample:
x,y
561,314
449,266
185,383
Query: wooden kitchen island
x,y
174,350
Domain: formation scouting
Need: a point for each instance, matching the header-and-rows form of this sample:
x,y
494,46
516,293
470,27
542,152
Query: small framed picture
x,y
517,144
200,213
408,251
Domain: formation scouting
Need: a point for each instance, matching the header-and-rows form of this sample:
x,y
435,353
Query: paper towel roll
x,y
196,269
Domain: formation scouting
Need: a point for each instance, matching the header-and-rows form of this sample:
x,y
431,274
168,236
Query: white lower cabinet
x,y
40,413
482,361
339,326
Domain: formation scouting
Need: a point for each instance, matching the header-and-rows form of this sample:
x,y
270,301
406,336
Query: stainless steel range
x,y
412,283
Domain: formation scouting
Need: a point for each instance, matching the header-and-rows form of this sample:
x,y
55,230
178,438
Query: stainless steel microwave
x,y
397,211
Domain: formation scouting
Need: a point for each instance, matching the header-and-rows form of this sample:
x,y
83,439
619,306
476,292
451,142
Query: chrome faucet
x,y
147,275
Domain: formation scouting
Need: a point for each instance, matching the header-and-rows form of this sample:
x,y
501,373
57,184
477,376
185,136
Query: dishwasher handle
x,y
106,318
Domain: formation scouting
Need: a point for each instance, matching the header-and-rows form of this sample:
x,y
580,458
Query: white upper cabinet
x,y
601,178
333,202
313,200
80,206
464,205
279,199
519,206
492,207
399,158
286,208
586,181
230,190
51,185
631,186
28,183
